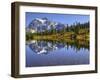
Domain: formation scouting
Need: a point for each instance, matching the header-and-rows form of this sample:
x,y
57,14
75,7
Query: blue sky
x,y
62,18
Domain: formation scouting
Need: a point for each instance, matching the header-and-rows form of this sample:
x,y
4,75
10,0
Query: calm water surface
x,y
52,53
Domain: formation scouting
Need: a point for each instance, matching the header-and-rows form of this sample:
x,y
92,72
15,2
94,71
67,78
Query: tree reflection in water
x,y
47,46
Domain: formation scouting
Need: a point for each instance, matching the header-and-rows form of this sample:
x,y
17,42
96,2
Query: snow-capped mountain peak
x,y
42,24
41,20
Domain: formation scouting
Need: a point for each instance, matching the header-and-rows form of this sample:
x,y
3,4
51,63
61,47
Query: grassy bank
x,y
83,34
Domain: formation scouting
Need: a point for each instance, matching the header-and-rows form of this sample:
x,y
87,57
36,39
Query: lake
x,y
55,53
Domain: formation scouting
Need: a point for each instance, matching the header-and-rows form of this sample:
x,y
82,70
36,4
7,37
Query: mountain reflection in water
x,y
45,47
52,53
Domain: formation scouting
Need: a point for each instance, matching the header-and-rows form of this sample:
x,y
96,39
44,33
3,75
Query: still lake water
x,y
52,53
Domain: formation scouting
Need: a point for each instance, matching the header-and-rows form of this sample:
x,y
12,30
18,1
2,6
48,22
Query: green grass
x,y
83,34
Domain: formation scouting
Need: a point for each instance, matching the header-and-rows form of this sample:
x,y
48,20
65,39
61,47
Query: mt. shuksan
x,y
43,24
